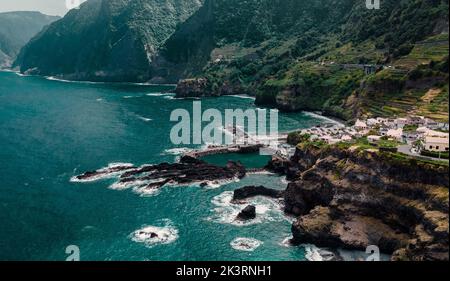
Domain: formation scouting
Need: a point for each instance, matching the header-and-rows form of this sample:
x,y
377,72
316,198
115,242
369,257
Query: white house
x,y
346,138
422,130
360,125
372,122
431,133
395,134
436,144
401,122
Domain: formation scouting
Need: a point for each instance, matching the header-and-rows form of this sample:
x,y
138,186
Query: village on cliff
x,y
414,135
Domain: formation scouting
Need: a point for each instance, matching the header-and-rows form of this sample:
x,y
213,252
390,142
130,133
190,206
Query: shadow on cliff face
x,y
347,199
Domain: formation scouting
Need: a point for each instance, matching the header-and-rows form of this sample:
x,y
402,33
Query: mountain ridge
x,y
109,40
16,29
294,55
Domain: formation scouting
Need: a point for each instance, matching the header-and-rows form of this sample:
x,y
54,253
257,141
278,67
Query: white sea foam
x,y
176,151
144,191
318,116
313,253
129,97
52,78
245,244
127,185
260,172
145,119
156,94
22,75
8,70
284,180
242,97
156,235
286,242
219,183
225,212
105,173
138,186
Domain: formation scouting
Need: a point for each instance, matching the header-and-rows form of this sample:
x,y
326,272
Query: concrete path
x,y
406,149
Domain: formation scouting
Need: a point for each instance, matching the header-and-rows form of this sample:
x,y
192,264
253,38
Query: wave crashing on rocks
x,y
245,244
225,211
149,179
156,235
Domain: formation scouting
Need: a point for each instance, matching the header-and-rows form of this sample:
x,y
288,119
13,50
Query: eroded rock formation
x,y
188,171
252,191
248,213
353,199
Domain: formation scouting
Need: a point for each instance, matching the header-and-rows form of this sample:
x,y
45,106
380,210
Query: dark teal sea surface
x,y
53,130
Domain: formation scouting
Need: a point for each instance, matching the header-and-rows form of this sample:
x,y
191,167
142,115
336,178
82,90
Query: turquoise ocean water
x,y
53,130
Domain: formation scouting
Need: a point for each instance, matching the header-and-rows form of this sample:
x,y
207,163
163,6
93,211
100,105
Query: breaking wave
x,y
225,211
245,244
243,97
145,119
105,173
176,151
156,94
318,116
156,235
313,253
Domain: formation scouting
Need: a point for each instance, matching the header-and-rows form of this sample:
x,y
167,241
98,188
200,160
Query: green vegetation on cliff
x,y
295,55
310,55
16,29
112,40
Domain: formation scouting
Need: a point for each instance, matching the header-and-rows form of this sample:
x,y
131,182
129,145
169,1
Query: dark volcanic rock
x,y
322,228
282,166
302,196
191,88
248,213
354,199
102,172
189,171
252,191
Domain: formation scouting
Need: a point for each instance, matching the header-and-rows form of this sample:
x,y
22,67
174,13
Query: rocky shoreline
x,y
341,198
152,177
353,199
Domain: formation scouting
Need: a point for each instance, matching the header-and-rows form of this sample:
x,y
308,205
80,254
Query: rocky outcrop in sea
x,y
152,177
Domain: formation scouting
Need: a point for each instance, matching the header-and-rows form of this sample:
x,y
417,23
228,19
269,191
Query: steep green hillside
x,y
248,36
334,56
311,54
104,40
16,29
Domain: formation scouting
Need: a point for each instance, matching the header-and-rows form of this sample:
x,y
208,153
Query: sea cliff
x,y
350,198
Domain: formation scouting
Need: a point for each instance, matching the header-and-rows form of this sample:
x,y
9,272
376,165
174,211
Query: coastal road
x,y
406,149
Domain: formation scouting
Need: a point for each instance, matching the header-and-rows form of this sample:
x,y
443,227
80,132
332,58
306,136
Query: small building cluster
x,y
417,131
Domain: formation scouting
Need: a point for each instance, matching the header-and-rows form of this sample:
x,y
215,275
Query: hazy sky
x,y
49,7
